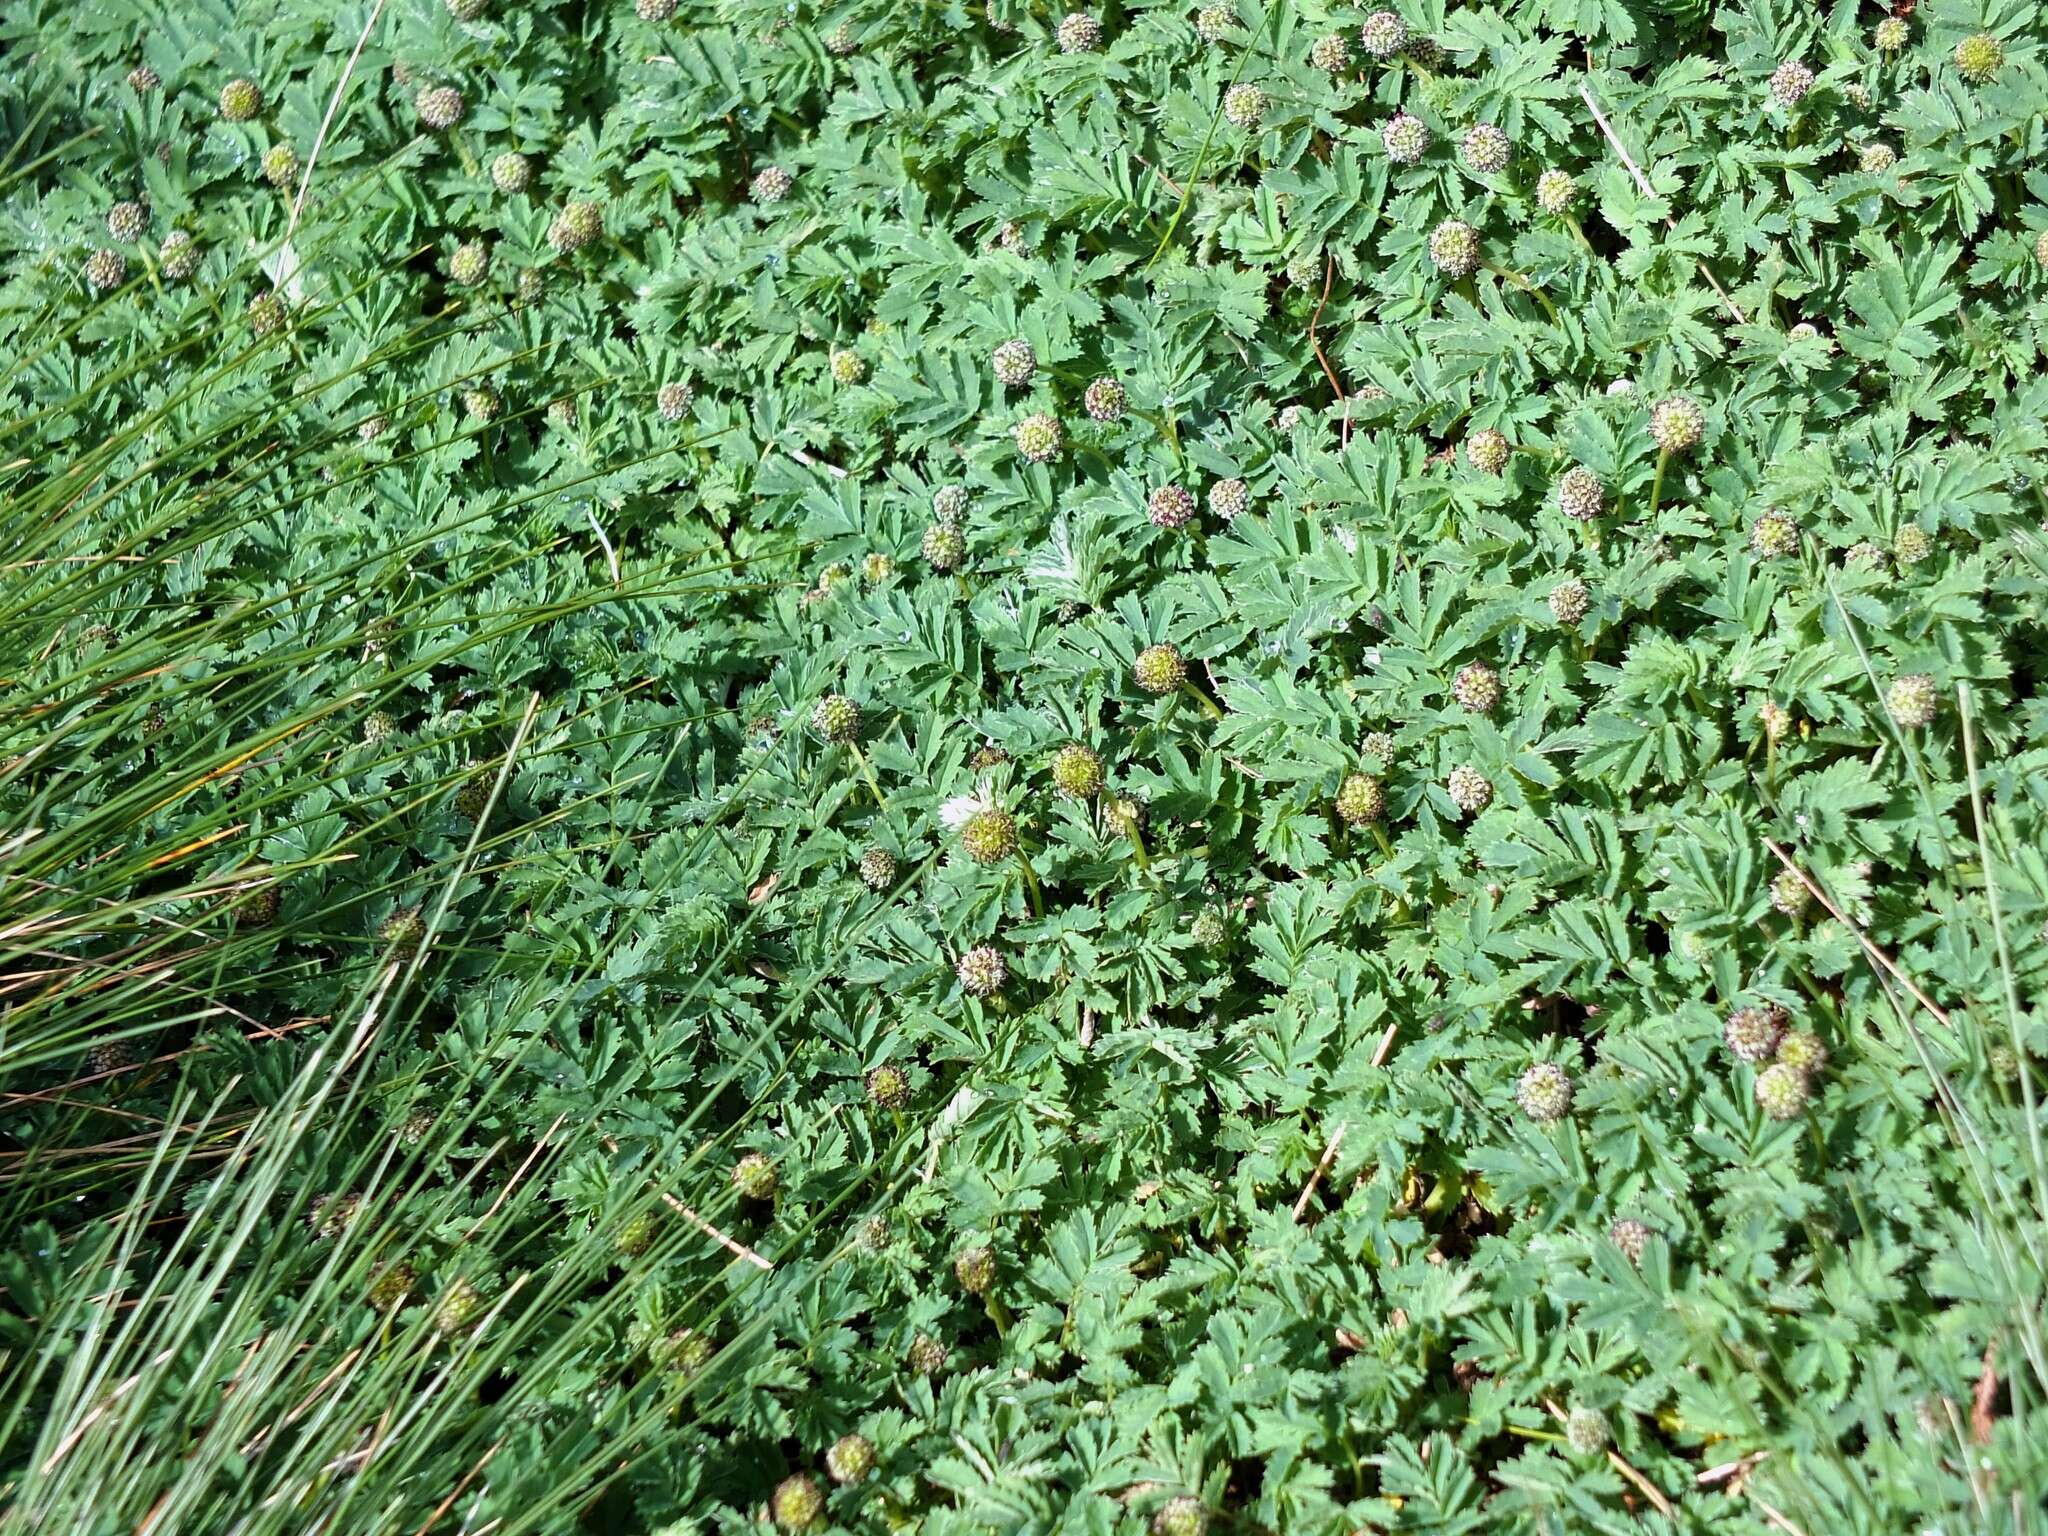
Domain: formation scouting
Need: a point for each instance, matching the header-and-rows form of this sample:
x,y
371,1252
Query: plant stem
x,y
1526,286
867,771
1031,884
1215,710
1657,481
1573,225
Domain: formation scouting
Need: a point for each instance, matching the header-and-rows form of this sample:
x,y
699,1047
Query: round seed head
x,y
1677,424
142,79
2041,248
654,12
945,547
1209,929
1774,718
876,567
1289,417
1485,149
1105,400
1038,438
888,1088
467,10
1171,507
635,1236
1790,895
1569,601
329,1215
1752,1034
1079,32
847,367
982,971
1469,790
1213,23
1487,451
457,1308
1243,105
1014,363
1979,58
796,1503
877,868
1230,499
1580,495
240,100
531,284
1631,1237
1790,82
1913,701
562,413
1159,668
1782,1091
393,1284
105,268
1454,248
1911,544
754,1176
483,403
266,313
1803,1052
1556,192
1405,138
439,106
842,40
1361,800
1383,35
368,431
949,503
1305,268
1077,771
1477,688
850,1458
685,1351
772,184
1183,1515
1545,1092
280,164
836,718
575,226
1378,745
470,263
1863,555
178,257
110,1056
1011,238
1330,53
1585,1431
989,836
511,172
975,1269
127,221
927,1356
1876,157
1774,535
672,400
1889,35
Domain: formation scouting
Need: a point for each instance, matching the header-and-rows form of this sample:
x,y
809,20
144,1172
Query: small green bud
x,y
1405,138
982,971
1038,438
837,719
483,403
1454,248
754,1176
1803,1052
575,226
457,1308
1361,800
1014,362
1556,192
280,164
949,503
927,1356
1477,688
944,547
1244,105
1159,668
636,1236
975,1269
1774,718
1889,36
1383,35
1774,535
1979,58
1782,1091
1911,544
989,836
330,1215
1875,158
1105,401
1469,790
1209,929
240,100
1752,1034
847,366
392,1286
685,1352
439,107
1077,771
1913,701
797,1503
402,932
1183,1515
1790,895
1213,23
672,400
1677,424
142,79
888,1087
1545,1092
511,172
470,263
850,1458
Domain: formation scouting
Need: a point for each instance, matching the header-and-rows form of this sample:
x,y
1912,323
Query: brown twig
x,y
737,1249
1620,1464
810,463
513,1182
456,1492
1643,186
1773,1515
1379,1052
1737,1469
1870,949
1329,277
1316,1173
1986,1394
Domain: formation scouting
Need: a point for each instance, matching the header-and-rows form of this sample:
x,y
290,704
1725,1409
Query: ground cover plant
x,y
973,768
